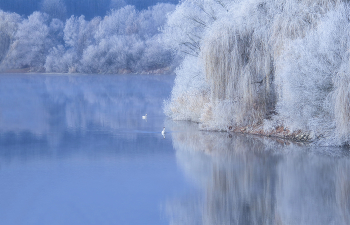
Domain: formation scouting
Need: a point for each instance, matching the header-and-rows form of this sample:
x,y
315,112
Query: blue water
x,y
74,149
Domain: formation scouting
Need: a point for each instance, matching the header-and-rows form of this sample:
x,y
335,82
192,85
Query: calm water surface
x,y
75,150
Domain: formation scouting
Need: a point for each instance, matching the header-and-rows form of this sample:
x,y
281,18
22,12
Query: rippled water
x,y
75,150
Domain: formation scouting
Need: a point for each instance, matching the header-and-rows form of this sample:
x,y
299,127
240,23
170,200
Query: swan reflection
x,y
255,180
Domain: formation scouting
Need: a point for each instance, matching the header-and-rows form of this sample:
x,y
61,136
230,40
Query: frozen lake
x,y
75,150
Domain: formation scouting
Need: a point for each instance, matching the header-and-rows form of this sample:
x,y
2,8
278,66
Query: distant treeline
x,y
125,40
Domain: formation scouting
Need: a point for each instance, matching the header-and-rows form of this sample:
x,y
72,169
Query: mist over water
x,y
75,149
55,104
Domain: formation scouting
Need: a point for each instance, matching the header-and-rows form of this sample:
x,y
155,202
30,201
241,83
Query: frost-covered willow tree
x,y
184,34
263,66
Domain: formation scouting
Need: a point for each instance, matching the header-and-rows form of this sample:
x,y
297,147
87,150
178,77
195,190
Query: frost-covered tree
x,y
154,56
184,33
186,25
56,32
153,19
117,54
267,67
54,8
118,22
117,4
78,33
31,43
60,61
125,40
8,27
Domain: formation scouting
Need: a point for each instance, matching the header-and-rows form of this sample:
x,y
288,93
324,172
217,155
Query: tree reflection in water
x,y
256,180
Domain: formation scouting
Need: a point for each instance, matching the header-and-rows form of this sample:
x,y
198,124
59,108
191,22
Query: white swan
x,y
144,117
